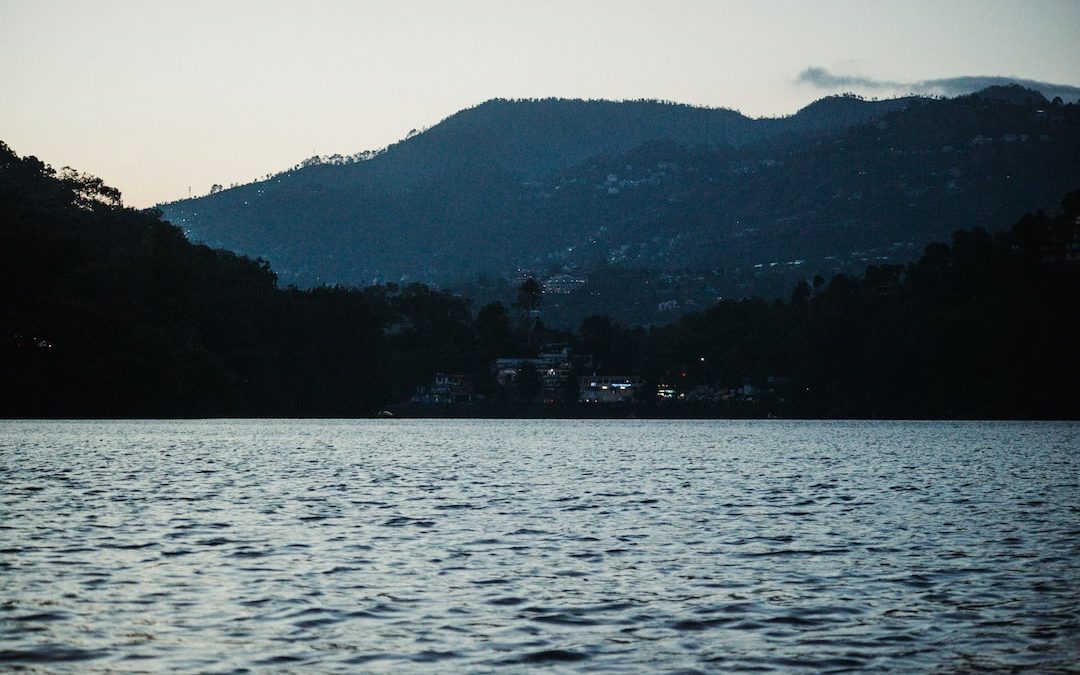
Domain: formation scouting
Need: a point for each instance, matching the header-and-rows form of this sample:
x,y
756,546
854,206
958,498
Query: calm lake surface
x,y
501,546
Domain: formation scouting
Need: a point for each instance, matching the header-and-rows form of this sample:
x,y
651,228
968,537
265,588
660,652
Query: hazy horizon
x,y
157,98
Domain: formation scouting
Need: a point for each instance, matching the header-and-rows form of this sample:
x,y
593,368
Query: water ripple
x,y
571,546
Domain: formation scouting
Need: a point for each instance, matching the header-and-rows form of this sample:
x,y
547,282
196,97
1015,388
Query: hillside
x,y
110,311
746,206
754,220
411,209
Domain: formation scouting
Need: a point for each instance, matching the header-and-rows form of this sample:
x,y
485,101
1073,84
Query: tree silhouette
x,y
529,383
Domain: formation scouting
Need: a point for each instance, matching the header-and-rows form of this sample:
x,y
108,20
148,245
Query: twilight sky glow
x,y
155,97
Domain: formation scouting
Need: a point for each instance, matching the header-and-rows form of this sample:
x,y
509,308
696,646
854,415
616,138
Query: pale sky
x,y
155,97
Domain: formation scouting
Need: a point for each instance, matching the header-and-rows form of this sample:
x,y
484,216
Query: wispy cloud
x,y
949,86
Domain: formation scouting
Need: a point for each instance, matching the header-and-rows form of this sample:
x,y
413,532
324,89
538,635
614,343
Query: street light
x,y
703,371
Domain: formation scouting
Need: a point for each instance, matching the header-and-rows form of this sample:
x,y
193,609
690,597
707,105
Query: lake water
x,y
500,546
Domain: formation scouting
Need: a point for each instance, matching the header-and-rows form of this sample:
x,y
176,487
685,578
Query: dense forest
x,y
111,311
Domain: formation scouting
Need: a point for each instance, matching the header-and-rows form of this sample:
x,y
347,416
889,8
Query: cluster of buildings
x,y
591,389
746,393
548,377
554,385
446,389
552,369
564,284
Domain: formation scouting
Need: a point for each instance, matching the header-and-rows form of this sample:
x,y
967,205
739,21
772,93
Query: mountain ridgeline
x,y
556,185
465,195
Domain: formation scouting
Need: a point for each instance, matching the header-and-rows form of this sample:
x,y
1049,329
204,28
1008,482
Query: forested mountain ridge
x,y
579,185
467,179
756,219
532,138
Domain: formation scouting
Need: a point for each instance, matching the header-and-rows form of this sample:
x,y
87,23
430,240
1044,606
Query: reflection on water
x,y
393,545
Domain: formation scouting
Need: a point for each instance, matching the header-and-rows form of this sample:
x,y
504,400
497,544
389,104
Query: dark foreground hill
x,y
751,205
108,311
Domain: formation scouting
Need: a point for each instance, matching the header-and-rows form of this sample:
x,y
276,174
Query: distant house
x,y
608,388
668,392
505,371
552,364
446,388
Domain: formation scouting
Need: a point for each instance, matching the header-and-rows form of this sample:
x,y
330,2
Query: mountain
x,y
753,220
746,205
333,221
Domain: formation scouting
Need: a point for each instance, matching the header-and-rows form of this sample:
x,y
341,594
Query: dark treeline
x,y
109,311
986,327
112,312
